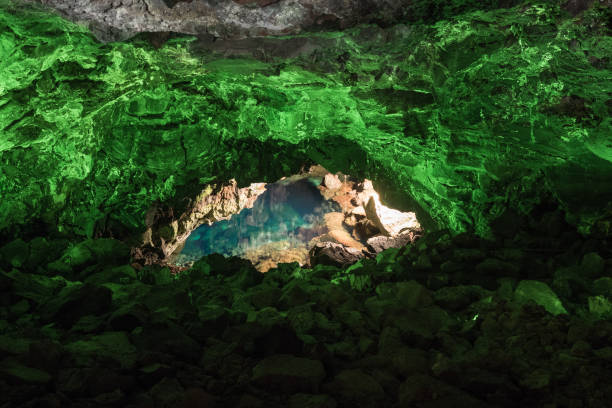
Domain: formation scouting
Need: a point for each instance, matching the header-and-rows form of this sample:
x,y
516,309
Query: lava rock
x,y
288,374
72,303
301,400
540,293
331,181
15,254
592,265
357,387
379,243
329,253
458,297
15,372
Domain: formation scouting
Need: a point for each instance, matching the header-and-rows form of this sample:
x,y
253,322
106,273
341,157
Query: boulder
x,y
357,387
600,306
15,253
15,372
458,297
329,253
168,393
302,400
74,302
379,243
540,293
389,221
109,346
331,181
288,374
592,265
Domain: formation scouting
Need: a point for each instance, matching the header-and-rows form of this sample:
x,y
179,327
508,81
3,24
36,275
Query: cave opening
x,y
309,218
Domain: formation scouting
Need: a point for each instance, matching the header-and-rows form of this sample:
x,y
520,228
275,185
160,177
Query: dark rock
x,y
72,382
277,339
592,265
423,262
600,306
356,387
301,319
288,374
119,274
17,373
468,255
151,374
72,303
407,295
423,390
458,297
128,317
113,348
296,293
329,253
266,296
198,398
379,243
33,287
312,401
575,7
168,338
46,355
15,254
41,252
603,286
537,379
495,267
466,240
540,293
168,393
450,267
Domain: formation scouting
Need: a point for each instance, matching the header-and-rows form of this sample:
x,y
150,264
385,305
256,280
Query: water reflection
x,y
278,228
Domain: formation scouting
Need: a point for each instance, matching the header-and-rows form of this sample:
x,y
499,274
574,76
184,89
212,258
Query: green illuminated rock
x,y
462,118
540,293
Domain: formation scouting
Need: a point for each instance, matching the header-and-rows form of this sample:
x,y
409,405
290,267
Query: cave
x,y
310,218
442,169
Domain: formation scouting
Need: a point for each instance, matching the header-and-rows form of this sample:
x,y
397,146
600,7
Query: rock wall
x,y
167,229
473,119
118,20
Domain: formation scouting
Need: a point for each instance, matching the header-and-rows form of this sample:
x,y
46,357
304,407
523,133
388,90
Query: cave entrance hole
x,y
315,217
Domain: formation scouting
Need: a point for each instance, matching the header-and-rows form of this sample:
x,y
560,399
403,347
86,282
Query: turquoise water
x,y
289,211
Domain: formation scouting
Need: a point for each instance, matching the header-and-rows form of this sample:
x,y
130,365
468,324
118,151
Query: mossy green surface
x,y
468,117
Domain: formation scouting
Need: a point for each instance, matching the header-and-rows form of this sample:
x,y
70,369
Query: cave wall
x,y
470,117
112,20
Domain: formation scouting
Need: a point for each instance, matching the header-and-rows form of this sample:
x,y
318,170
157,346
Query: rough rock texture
x,y
93,134
168,228
118,20
390,222
330,253
421,326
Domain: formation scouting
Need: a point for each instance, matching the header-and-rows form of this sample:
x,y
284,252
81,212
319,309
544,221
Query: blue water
x,y
289,211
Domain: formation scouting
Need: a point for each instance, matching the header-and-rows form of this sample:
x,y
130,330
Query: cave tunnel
x,y
278,203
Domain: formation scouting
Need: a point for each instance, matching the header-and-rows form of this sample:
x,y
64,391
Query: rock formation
x,y
167,232
492,124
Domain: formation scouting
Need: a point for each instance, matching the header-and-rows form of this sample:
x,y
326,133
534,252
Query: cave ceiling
x,y
465,118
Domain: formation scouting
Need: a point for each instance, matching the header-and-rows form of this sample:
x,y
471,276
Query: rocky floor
x,y
448,321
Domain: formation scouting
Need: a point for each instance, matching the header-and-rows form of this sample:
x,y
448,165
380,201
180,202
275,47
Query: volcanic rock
x,y
288,374
329,253
389,221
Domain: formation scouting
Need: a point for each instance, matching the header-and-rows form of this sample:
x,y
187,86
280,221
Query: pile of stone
x,y
452,320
